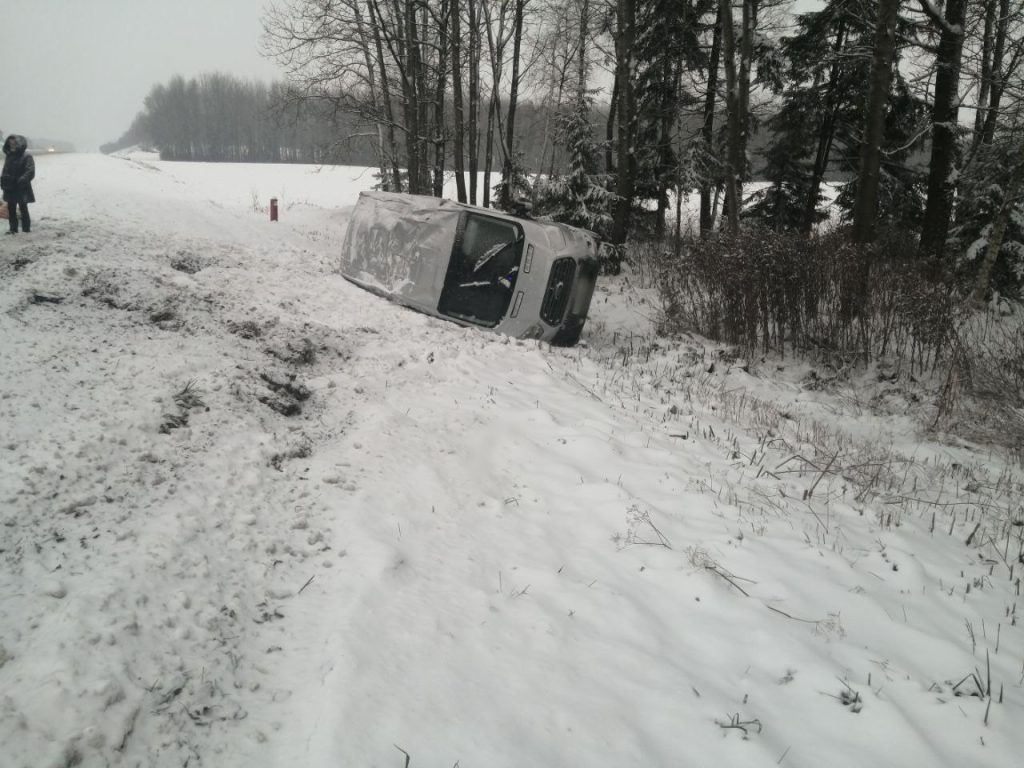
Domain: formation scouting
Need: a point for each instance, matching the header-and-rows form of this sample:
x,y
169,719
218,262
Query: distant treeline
x,y
217,117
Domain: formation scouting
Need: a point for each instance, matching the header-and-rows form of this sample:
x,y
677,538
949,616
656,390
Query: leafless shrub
x,y
982,396
821,296
189,397
646,259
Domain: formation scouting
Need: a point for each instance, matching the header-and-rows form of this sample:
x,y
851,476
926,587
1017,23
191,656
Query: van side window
x,y
483,269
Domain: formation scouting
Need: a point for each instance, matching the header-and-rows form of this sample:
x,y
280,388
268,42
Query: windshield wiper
x,y
495,251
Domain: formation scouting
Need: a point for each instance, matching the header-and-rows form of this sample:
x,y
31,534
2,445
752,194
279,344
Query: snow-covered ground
x,y
254,516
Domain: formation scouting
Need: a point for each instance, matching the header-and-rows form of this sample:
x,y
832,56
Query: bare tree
x,y
475,53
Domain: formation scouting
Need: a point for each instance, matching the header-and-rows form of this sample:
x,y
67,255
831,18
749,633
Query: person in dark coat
x,y
16,182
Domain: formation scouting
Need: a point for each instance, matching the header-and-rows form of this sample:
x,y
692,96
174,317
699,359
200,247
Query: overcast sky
x,y
78,70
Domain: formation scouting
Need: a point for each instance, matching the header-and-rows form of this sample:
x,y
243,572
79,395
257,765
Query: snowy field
x,y
253,516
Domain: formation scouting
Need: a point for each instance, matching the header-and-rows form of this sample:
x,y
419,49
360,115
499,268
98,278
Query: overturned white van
x,y
474,266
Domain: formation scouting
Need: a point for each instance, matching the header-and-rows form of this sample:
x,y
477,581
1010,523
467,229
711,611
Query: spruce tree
x,y
581,197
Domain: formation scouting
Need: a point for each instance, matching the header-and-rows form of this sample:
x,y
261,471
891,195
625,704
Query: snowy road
x,y
359,531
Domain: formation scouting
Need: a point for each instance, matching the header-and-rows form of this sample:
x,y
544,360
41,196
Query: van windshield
x,y
483,269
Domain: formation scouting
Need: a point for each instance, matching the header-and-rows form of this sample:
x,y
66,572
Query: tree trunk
x,y
497,55
672,72
941,181
826,134
419,68
439,100
459,117
733,161
609,129
707,220
492,112
677,248
410,107
474,95
581,44
385,86
985,76
998,76
625,42
865,213
508,168
746,62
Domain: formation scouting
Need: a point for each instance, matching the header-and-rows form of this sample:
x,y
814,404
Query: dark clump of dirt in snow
x,y
286,394
245,329
187,262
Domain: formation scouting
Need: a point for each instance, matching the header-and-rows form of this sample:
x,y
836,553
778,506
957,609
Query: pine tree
x,y
581,197
824,91
781,206
667,44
